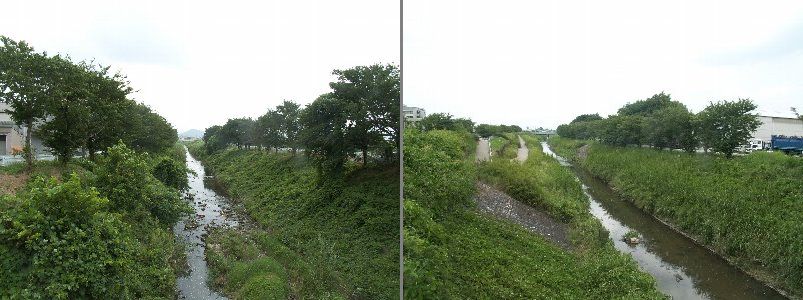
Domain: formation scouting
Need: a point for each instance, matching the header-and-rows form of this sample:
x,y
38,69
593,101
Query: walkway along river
x,y
211,209
682,268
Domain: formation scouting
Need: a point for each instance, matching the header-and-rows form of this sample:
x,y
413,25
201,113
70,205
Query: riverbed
x,y
682,268
211,210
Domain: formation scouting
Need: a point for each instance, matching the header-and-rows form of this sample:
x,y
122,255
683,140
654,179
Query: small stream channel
x,y
211,210
682,268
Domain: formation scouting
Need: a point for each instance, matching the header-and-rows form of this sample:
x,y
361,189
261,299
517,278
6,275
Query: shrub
x,y
123,178
72,245
172,173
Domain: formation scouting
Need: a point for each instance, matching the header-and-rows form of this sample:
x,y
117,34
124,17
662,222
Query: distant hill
x,y
193,133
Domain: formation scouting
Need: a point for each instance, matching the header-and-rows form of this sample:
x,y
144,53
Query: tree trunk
x,y
28,151
364,157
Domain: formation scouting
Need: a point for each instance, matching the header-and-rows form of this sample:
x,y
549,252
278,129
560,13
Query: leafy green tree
x,y
671,126
209,132
324,133
22,87
149,131
371,98
65,128
290,124
270,129
235,132
647,106
623,130
585,118
725,125
108,109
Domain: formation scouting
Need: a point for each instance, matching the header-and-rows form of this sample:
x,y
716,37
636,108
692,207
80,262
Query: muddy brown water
x,y
211,210
682,268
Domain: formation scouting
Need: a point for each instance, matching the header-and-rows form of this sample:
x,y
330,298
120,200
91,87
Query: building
x,y
12,137
777,124
413,114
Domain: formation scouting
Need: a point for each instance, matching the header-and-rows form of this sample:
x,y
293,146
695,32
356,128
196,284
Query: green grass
x,y
344,227
451,251
747,208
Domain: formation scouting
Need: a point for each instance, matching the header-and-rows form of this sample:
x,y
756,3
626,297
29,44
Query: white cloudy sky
x,y
200,64
541,63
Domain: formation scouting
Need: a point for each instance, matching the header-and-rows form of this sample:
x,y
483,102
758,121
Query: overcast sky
x,y
200,64
541,63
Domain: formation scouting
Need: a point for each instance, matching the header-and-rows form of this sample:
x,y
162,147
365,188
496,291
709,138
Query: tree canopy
x,y
661,122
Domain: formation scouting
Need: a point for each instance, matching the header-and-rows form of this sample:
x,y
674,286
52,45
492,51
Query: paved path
x,y
498,204
521,156
483,150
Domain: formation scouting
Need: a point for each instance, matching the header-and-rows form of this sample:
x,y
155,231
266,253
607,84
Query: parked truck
x,y
787,144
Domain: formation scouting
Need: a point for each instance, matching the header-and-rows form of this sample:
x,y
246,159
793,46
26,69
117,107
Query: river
x,y
682,268
211,209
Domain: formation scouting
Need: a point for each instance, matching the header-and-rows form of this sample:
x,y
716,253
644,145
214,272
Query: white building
x,y
12,137
777,124
413,114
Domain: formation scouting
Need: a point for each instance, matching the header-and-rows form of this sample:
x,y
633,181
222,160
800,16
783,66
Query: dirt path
x,y
483,150
498,204
521,156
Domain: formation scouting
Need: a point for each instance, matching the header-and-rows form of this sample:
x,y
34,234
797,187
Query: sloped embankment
x,y
334,236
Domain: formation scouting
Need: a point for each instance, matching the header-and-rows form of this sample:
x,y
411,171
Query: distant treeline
x,y
73,106
359,117
441,121
660,122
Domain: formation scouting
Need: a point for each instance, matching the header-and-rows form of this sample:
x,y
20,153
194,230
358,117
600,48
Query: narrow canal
x,y
682,268
211,210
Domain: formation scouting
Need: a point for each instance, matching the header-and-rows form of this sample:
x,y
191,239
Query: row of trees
x,y
75,106
441,121
360,115
660,122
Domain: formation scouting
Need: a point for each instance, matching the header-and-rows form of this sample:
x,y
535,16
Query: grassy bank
x,y
746,208
453,251
339,235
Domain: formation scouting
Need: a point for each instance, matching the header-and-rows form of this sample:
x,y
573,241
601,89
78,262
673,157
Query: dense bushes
x,y
453,252
344,225
748,208
172,173
123,177
92,235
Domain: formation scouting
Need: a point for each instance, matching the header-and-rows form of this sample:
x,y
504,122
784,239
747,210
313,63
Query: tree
x,y
324,133
670,127
647,106
623,130
23,87
289,112
725,125
585,118
269,128
147,130
799,116
108,109
371,98
64,130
